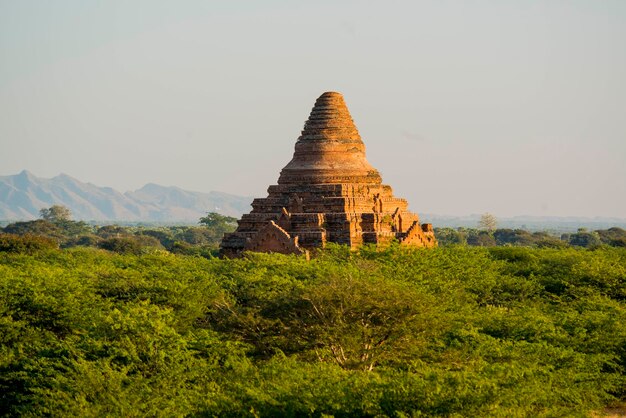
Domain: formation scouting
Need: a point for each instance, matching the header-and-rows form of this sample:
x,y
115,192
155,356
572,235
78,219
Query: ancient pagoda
x,y
327,193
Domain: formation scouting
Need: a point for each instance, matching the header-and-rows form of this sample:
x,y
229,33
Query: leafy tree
x,y
513,237
163,235
111,231
121,245
55,213
219,222
200,236
615,236
583,238
450,236
61,216
481,239
87,240
551,242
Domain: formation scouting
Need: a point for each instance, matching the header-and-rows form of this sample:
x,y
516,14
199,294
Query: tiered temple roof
x,y
328,192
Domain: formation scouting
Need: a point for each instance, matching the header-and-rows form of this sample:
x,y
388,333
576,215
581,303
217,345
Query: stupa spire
x,y
329,149
330,119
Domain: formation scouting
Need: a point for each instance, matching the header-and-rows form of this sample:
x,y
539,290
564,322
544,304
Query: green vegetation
x,y
56,225
454,331
56,213
25,244
615,237
138,321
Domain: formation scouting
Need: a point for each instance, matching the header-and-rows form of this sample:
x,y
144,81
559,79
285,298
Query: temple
x,y
328,192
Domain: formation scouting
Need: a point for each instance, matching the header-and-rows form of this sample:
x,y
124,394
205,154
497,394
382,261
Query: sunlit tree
x,y
55,213
488,222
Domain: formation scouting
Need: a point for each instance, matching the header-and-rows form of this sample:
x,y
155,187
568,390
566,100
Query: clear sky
x,y
509,107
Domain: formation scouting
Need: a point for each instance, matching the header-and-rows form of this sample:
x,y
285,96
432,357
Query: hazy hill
x,y
23,195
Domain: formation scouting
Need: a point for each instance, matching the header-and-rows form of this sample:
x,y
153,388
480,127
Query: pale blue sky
x,y
509,107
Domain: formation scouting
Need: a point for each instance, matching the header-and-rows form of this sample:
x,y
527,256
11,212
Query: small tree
x,y
55,214
212,220
218,224
488,222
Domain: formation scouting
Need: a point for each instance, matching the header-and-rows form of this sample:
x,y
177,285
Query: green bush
x,y
121,245
37,227
25,244
83,241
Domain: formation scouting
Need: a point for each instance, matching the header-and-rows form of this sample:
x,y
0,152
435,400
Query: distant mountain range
x,y
23,195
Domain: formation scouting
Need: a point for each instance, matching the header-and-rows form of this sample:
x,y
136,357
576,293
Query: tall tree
x,y
213,220
217,225
488,222
55,213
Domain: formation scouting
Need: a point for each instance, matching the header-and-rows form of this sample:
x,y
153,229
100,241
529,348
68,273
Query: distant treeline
x,y
59,230
614,237
204,240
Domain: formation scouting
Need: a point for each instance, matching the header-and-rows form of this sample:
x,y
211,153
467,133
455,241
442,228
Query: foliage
x,y
39,227
60,231
218,224
513,236
125,245
480,238
87,240
201,241
458,331
488,222
25,244
615,237
583,238
213,219
450,236
112,231
55,213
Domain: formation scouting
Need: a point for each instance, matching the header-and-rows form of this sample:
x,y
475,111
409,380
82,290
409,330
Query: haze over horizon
x,y
512,107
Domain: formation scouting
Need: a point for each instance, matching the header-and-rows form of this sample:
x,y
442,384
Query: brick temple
x,y
328,192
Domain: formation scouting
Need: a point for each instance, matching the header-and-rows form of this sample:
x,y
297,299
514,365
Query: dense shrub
x,y
514,237
583,238
121,245
38,227
615,237
25,244
82,241
481,239
112,231
207,251
459,331
618,242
